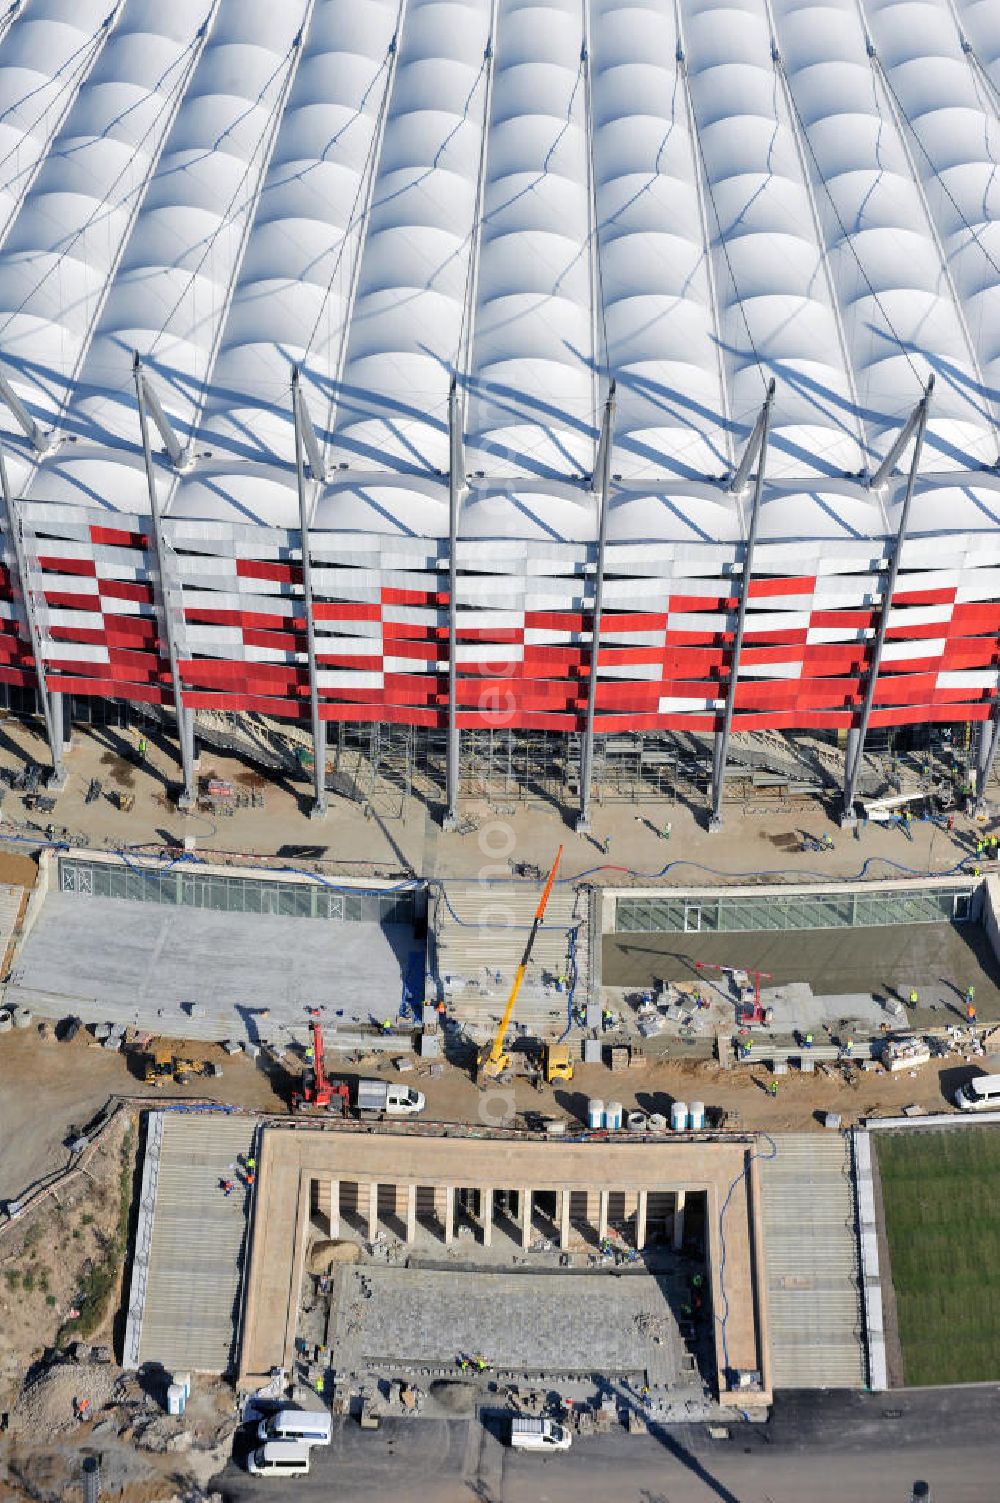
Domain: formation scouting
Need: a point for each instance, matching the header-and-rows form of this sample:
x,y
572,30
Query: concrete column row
x,y
405,1204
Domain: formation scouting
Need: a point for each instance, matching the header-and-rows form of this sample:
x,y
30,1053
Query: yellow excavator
x,y
498,1061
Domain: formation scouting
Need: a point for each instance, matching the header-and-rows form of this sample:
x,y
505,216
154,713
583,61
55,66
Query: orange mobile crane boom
x,y
498,1060
318,1090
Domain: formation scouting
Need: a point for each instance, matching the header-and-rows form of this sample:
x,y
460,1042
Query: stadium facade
x,y
481,342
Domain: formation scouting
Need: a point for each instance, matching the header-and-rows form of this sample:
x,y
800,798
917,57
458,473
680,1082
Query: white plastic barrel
x,y
696,1116
678,1116
595,1114
613,1116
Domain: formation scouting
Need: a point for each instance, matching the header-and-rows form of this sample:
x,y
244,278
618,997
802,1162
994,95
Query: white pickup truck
x,y
385,1097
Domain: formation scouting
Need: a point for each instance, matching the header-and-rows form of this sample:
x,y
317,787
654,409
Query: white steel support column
x,y
185,718
679,1198
525,1218
986,754
21,581
411,1213
373,1210
564,1220
335,1208
918,424
456,484
302,426
486,1215
602,1215
756,449
602,478
449,1215
640,1219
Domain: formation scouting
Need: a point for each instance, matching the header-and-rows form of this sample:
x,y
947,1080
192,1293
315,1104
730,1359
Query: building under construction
x,y
530,378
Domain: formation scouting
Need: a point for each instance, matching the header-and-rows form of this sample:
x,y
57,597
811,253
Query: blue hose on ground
x,y
723,1316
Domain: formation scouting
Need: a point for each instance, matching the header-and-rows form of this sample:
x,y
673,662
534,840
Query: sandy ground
x,y
47,1089
43,1258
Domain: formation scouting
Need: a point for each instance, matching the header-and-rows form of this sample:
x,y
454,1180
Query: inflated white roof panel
x,y
534,329
408,322
656,281
530,197
293,298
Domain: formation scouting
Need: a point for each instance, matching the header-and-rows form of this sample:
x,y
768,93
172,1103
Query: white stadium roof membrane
x,y
535,196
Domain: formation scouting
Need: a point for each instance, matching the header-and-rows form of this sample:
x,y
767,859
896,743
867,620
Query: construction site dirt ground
x,y
939,960
401,834
48,1088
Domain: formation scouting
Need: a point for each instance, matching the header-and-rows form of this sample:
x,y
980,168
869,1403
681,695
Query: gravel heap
x,y
46,1403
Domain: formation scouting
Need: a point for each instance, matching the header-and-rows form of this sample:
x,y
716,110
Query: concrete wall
x,y
989,911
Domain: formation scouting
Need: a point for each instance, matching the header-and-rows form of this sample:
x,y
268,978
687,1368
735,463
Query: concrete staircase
x,y
476,937
196,1251
811,1259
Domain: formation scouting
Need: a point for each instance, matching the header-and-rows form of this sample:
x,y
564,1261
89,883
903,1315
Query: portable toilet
x,y
176,1398
595,1114
678,1116
696,1116
613,1116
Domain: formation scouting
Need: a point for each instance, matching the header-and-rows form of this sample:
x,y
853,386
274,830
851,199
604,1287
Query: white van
x,y
527,1434
311,1427
279,1458
979,1095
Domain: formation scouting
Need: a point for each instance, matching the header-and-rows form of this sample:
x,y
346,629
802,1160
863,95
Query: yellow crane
x,y
498,1060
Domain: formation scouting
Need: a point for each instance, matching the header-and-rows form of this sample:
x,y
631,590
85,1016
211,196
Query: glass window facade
x,y
746,913
191,888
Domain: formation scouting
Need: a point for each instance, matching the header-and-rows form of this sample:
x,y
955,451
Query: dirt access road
x,y
49,1088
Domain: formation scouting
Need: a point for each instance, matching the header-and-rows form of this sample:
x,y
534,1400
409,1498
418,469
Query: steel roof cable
x,y
360,206
995,265
230,211
975,392
706,178
847,238
87,53
460,362
103,206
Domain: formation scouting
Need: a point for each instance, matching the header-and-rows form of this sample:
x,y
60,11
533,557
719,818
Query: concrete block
x,y
593,1015
430,1045
231,1046
807,1065
250,1049
592,1051
832,1120
780,1067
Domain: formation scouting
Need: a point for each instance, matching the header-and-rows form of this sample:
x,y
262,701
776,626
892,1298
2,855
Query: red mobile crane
x,y
318,1090
747,984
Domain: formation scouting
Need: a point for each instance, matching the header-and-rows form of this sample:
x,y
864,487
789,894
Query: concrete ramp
x,y
190,1243
811,1263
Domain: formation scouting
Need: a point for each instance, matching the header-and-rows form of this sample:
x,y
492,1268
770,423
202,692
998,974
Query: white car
x,y
309,1427
528,1434
279,1458
979,1095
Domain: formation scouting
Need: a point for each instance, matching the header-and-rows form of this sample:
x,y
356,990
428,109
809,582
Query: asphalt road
x,y
816,1448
